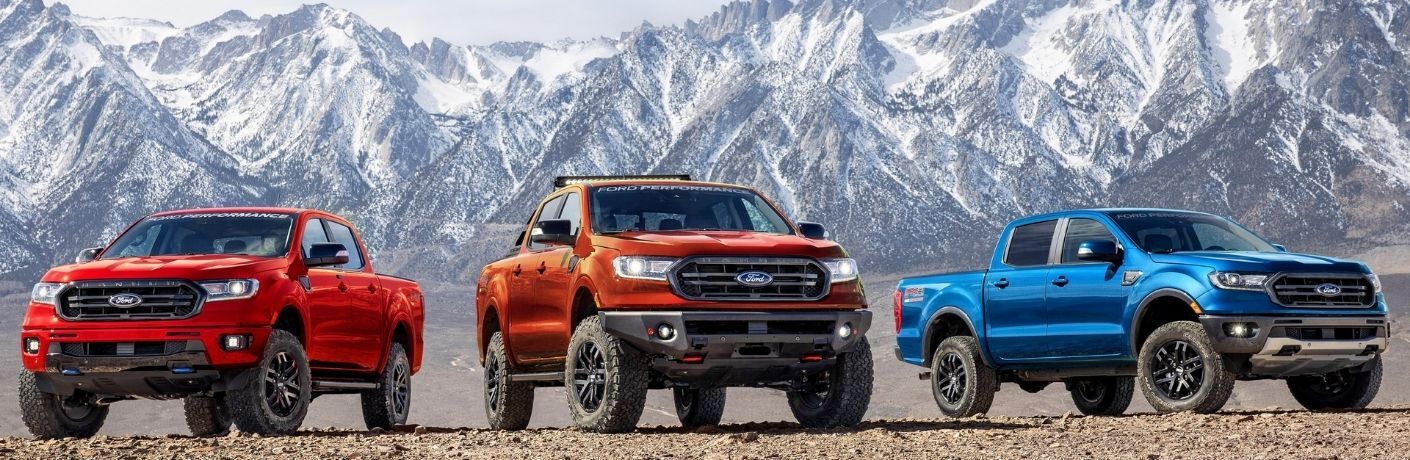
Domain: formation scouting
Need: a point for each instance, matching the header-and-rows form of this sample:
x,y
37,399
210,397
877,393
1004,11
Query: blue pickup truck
x,y
1181,304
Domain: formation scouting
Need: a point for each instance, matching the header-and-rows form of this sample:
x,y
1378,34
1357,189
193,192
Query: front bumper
x,y
141,362
739,348
1291,346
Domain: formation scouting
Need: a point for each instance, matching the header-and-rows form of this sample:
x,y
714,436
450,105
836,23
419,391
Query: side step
x,y
537,377
334,385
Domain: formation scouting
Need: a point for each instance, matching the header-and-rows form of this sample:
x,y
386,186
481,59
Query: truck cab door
x,y
345,317
532,327
1014,294
554,309
1086,299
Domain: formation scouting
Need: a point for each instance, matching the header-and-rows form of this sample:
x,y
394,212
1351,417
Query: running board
x,y
336,385
537,377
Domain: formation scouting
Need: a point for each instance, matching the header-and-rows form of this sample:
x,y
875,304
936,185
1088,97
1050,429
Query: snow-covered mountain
x,y
913,128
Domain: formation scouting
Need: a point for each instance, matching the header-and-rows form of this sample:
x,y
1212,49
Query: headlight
x,y
1375,282
1242,281
841,269
645,268
45,293
229,289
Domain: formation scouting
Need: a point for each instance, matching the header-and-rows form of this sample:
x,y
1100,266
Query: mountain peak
x,y
234,16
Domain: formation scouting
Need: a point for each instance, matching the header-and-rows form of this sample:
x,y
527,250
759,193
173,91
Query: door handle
x,y
1060,281
518,269
542,266
372,288
342,286
1001,283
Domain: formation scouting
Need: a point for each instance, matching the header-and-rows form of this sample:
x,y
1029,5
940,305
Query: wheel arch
x,y
948,321
1160,307
489,325
292,320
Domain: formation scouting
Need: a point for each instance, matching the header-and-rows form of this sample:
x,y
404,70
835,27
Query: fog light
x,y
235,342
845,331
31,345
665,331
1240,330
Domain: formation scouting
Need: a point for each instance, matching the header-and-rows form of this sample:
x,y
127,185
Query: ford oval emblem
x,y
754,278
125,300
1328,289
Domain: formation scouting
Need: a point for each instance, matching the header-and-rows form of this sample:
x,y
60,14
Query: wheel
x,y
276,398
606,380
1103,395
1343,389
962,384
842,395
508,404
1179,371
390,403
207,415
50,416
699,407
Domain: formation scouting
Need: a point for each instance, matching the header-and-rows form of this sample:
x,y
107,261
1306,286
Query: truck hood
x,y
1267,262
687,243
202,267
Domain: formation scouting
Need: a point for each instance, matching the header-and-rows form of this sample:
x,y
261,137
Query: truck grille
x,y
1332,333
1302,290
92,349
714,278
161,299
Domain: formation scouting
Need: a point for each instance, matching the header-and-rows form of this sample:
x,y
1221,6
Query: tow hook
x,y
925,375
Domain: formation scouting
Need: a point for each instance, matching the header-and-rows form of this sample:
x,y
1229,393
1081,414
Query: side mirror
x,y
553,231
1280,248
812,230
326,254
1099,251
87,255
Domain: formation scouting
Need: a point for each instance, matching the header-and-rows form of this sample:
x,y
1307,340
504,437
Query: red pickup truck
x,y
247,313
620,285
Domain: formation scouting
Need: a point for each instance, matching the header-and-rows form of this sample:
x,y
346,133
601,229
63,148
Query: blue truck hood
x,y
1268,262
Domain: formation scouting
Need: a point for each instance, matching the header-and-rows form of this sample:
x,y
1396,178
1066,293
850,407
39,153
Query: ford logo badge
x,y
125,300
754,278
1328,289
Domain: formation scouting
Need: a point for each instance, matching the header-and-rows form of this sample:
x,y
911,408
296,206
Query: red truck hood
x,y
202,267
683,243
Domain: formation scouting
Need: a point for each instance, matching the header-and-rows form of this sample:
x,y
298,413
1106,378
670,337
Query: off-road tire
x,y
390,404
615,385
961,383
849,386
699,407
1215,381
511,408
207,415
1341,390
252,411
44,415
1103,395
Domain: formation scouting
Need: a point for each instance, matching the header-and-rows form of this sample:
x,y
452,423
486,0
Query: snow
x,y
1230,41
437,96
1040,48
550,63
912,61
125,32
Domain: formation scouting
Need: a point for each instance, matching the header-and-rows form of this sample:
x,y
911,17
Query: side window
x,y
340,233
1030,244
550,211
313,234
572,210
1080,231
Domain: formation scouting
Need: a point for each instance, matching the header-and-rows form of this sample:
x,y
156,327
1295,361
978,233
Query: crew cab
x,y
246,313
620,285
1181,304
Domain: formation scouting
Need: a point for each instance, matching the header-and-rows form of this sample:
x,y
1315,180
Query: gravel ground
x,y
1378,433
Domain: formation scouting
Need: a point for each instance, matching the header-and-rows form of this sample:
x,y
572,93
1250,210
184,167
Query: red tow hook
x,y
693,358
811,358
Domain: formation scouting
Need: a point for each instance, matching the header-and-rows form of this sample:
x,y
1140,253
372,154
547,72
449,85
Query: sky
x,y
464,22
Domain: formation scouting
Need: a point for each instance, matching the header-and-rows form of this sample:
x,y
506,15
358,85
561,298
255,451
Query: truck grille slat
x,y
1302,290
161,299
713,278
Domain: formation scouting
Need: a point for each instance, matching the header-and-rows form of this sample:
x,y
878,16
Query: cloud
x,y
461,22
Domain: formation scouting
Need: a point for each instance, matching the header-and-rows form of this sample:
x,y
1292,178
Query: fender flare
x,y
934,321
1141,311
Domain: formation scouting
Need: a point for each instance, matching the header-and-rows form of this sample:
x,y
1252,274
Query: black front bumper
x,y
739,348
1290,346
159,377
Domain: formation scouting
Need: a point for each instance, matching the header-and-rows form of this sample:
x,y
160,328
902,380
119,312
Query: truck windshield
x,y
1167,232
254,234
661,208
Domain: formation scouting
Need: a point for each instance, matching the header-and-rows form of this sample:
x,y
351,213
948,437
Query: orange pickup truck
x,y
620,285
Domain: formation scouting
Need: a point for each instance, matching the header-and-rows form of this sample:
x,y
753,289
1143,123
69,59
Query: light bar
x,y
564,181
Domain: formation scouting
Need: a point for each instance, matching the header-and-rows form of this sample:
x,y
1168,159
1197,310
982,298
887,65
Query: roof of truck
x,y
1104,211
267,210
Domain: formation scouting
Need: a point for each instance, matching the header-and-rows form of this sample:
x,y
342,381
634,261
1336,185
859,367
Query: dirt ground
x,y
1377,433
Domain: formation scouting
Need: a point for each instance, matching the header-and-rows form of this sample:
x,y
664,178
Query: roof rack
x,y
564,181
